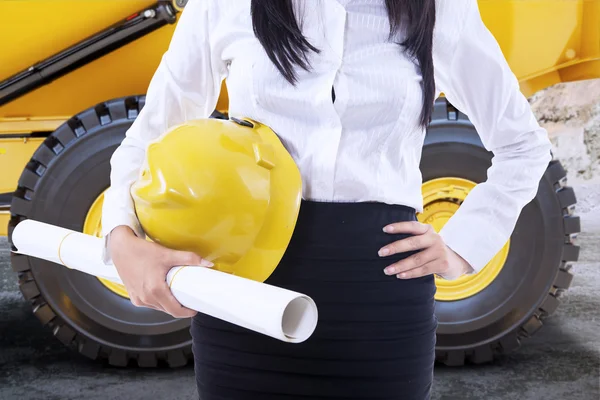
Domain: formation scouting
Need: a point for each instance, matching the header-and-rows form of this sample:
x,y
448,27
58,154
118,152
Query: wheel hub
x,y
93,226
442,198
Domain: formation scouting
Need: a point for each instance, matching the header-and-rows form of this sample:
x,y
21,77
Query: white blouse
x,y
365,145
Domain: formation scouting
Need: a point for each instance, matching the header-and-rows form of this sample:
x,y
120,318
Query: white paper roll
x,y
45,240
280,313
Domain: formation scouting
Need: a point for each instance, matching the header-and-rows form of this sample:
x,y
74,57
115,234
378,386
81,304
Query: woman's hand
x,y
143,267
434,256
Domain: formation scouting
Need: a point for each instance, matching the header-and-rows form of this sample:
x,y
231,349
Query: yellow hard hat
x,y
227,190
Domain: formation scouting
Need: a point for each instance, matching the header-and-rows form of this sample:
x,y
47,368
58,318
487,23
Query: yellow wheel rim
x,y
441,198
93,226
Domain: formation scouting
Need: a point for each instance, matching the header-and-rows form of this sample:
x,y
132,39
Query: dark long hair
x,y
276,27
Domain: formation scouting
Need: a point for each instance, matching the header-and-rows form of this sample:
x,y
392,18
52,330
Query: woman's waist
x,y
335,249
342,188
346,230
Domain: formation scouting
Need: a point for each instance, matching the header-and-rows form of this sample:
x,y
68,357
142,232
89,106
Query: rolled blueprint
x,y
280,313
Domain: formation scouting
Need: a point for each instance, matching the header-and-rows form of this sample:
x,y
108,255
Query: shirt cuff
x,y
472,238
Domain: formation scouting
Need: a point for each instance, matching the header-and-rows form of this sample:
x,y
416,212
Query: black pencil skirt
x,y
375,336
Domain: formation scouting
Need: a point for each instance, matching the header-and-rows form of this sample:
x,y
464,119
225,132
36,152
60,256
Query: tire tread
x,y
556,176
572,225
43,157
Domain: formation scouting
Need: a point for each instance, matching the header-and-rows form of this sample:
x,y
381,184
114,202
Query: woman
x,y
349,87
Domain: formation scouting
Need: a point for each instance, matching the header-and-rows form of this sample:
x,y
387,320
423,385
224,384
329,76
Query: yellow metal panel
x,y
42,28
580,71
538,37
14,156
4,218
590,31
534,35
48,26
30,125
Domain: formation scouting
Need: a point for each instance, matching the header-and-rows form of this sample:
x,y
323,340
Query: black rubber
x,y
71,168
513,307
65,175
5,199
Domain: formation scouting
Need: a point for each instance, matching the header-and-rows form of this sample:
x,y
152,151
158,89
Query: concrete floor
x,y
561,362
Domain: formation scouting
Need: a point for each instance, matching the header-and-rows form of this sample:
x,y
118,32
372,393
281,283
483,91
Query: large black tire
x,y
514,305
71,168
65,175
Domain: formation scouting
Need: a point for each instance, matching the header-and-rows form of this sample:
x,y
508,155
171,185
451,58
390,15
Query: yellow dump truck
x,y
73,74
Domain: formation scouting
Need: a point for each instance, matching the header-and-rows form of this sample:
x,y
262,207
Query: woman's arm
x,y
185,86
474,76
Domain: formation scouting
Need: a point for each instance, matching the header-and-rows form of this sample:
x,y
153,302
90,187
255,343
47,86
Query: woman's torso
x,y
365,145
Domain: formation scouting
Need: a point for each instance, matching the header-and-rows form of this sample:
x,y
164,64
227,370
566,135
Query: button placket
x,y
326,157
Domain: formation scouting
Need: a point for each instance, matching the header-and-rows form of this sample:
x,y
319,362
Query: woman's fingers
x,y
169,303
416,260
410,243
424,270
432,256
143,267
160,291
411,227
160,298
174,258
137,301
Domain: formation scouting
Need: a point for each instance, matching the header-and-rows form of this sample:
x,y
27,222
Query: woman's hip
x,y
333,256
375,334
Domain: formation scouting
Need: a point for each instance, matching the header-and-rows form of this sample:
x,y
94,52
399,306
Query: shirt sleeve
x,y
474,76
185,85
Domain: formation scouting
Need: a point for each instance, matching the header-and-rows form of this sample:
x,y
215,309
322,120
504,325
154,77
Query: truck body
x,y
73,74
